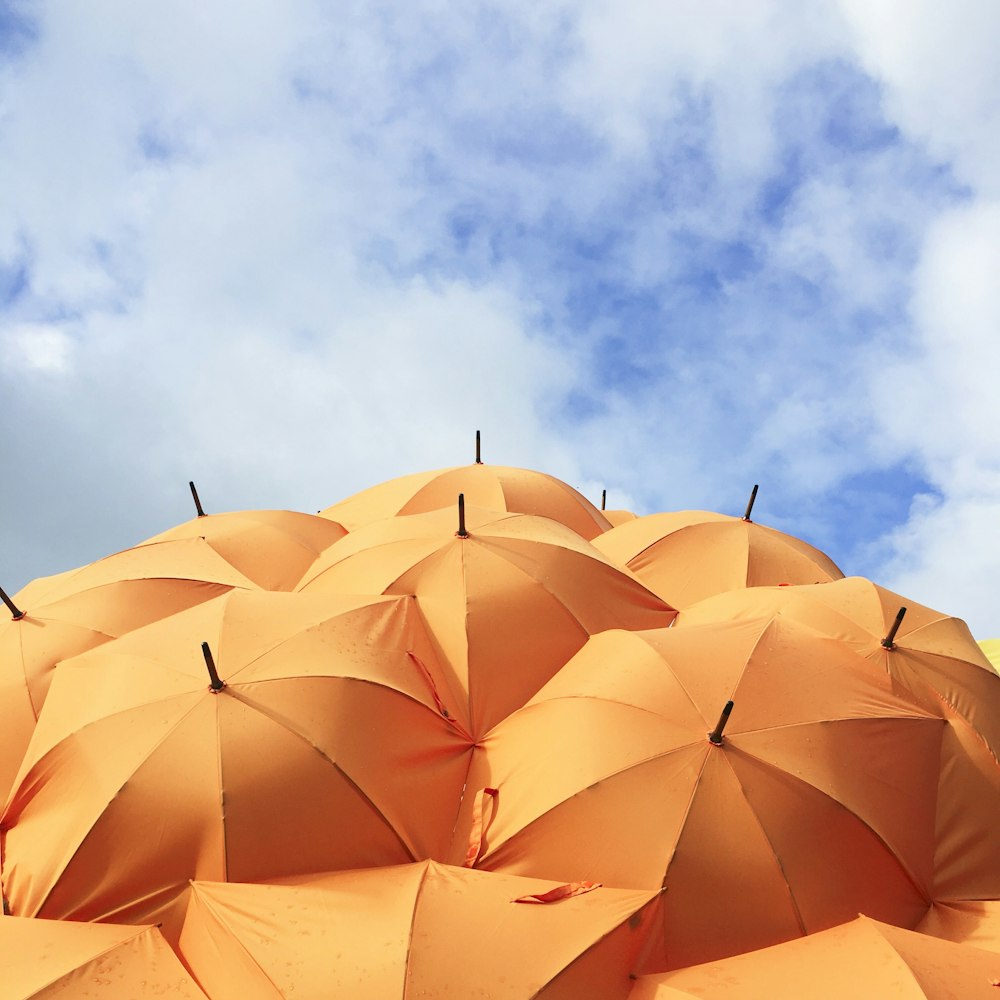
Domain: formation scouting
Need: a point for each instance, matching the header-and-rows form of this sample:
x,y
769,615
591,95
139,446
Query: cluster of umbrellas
x,y
464,734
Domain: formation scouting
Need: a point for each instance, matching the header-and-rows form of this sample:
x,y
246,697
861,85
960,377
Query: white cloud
x,y
37,348
303,251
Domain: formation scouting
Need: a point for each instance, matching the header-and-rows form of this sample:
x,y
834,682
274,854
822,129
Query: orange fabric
x,y
506,607
63,960
271,547
608,775
560,892
863,958
323,751
934,661
496,487
61,621
483,811
686,556
420,930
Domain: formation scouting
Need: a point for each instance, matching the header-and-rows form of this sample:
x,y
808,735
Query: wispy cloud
x,y
668,251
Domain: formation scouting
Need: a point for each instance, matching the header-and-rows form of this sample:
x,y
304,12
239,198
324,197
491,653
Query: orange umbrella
x,y
313,743
817,800
934,659
64,960
60,616
687,555
272,547
495,487
421,930
862,958
508,598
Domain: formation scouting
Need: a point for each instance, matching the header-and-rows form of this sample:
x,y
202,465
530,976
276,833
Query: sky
x,y
668,250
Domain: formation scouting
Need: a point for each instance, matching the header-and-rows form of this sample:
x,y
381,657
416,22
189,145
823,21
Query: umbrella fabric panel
x,y
62,960
862,957
822,765
415,930
499,488
31,647
289,767
687,556
271,547
506,606
936,662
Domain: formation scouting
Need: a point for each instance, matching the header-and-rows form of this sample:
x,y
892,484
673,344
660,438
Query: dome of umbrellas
x,y
467,734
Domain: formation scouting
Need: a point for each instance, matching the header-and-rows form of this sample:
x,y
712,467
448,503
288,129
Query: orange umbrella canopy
x,y
816,802
685,556
65,960
272,547
322,748
67,614
496,487
420,930
862,958
506,604
933,658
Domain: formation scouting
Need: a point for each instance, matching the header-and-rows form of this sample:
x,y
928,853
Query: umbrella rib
x,y
289,728
145,757
604,777
219,916
97,956
770,844
413,923
590,947
905,868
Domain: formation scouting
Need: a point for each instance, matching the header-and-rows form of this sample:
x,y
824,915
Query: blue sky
x,y
665,250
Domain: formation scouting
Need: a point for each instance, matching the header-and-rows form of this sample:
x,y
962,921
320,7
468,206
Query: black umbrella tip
x,y
16,614
715,736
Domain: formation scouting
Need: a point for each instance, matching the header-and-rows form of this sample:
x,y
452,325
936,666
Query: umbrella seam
x,y
413,922
279,721
97,956
905,868
604,777
104,807
218,915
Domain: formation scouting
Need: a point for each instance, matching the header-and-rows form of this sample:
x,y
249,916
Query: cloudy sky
x,y
665,249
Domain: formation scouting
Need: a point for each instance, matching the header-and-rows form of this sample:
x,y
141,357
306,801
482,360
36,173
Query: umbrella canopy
x,y
271,547
934,659
321,747
817,801
74,611
685,556
496,487
863,958
422,930
65,960
507,603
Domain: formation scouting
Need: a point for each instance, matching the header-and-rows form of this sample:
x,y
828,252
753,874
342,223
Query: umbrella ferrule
x,y
197,502
889,642
479,459
213,675
753,496
16,613
462,533
715,736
